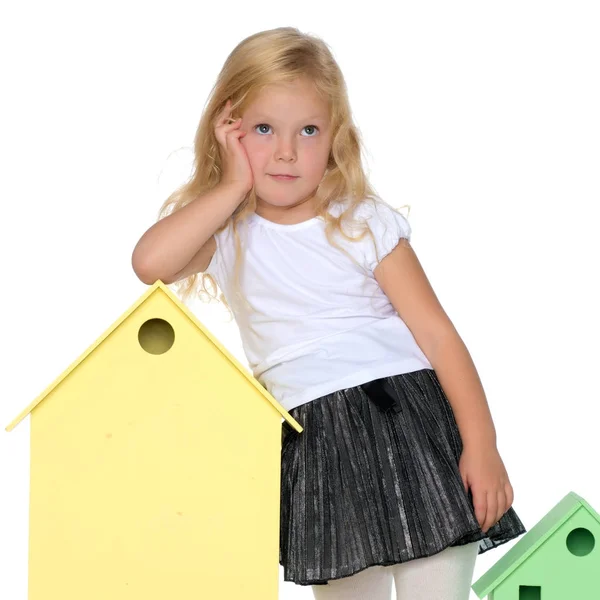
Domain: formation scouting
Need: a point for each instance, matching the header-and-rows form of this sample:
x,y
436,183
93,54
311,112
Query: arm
x,y
182,243
482,471
403,280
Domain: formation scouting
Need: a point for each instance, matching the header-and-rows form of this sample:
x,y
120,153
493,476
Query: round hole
x,y
156,336
580,541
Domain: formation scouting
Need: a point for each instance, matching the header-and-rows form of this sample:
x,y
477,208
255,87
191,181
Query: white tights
x,y
446,575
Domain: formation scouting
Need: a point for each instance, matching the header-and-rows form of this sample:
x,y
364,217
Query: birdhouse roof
x,y
531,541
158,287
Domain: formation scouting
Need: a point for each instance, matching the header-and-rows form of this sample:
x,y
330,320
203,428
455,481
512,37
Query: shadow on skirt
x,y
373,480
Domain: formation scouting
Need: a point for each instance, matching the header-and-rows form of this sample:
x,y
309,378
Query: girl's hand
x,y
236,166
482,470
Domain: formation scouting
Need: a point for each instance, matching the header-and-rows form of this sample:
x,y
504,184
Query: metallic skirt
x,y
373,480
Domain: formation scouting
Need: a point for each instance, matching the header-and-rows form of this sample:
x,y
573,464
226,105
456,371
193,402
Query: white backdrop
x,y
482,116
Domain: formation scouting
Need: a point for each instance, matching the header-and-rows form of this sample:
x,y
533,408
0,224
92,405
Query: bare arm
x,y
182,243
403,280
482,470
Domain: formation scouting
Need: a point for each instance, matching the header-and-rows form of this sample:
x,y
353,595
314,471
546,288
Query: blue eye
x,y
306,127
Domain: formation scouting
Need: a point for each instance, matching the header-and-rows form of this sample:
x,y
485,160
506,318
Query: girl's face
x,y
288,132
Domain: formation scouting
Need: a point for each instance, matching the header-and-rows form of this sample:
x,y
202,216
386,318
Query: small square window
x,y
530,592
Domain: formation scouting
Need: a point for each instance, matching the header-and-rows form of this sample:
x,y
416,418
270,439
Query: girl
x,y
396,474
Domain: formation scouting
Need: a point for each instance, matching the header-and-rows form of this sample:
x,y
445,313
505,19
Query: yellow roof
x,y
151,290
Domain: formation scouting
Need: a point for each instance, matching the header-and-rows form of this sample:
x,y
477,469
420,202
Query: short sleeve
x,y
388,227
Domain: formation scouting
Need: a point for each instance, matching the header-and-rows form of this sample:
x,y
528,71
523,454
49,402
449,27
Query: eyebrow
x,y
313,118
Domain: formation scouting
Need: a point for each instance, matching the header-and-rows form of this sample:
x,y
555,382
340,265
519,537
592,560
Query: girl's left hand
x,y
482,470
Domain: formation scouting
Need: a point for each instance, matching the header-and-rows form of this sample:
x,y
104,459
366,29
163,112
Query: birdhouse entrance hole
x,y
530,592
156,336
580,541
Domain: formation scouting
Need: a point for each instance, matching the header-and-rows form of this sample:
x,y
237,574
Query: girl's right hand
x,y
234,159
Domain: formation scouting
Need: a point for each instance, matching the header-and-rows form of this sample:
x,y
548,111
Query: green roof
x,y
530,542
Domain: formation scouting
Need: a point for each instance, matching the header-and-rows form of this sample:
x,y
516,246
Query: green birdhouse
x,y
557,559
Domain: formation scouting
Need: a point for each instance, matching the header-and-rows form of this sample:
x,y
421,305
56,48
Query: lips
x,y
284,177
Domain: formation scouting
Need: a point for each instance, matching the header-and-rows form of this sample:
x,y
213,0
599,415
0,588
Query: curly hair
x,y
271,57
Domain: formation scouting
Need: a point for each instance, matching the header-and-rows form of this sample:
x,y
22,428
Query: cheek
x,y
256,152
317,159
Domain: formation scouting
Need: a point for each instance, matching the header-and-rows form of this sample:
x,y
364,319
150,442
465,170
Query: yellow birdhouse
x,y
155,468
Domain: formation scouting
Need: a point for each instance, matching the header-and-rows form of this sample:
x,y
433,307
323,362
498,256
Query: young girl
x,y
396,474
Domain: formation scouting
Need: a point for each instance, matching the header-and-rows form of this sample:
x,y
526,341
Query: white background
x,y
482,116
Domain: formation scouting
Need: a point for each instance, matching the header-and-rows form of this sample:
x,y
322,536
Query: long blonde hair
x,y
274,56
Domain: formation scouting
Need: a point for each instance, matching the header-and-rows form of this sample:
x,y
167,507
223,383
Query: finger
x,y
224,113
491,510
501,505
234,129
509,494
223,131
232,135
229,126
480,505
230,143
464,480
226,108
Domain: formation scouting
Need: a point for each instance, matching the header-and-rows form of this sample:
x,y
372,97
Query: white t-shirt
x,y
316,321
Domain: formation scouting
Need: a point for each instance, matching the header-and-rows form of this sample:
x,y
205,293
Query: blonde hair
x,y
270,57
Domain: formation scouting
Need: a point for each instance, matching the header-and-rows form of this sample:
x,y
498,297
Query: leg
x,y
373,583
444,576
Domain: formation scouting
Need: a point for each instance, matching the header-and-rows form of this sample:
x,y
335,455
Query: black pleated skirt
x,y
373,480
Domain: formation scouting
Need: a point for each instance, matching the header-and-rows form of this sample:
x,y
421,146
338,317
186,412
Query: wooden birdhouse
x,y
557,559
155,468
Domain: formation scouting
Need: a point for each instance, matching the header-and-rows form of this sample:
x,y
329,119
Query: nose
x,y
285,150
